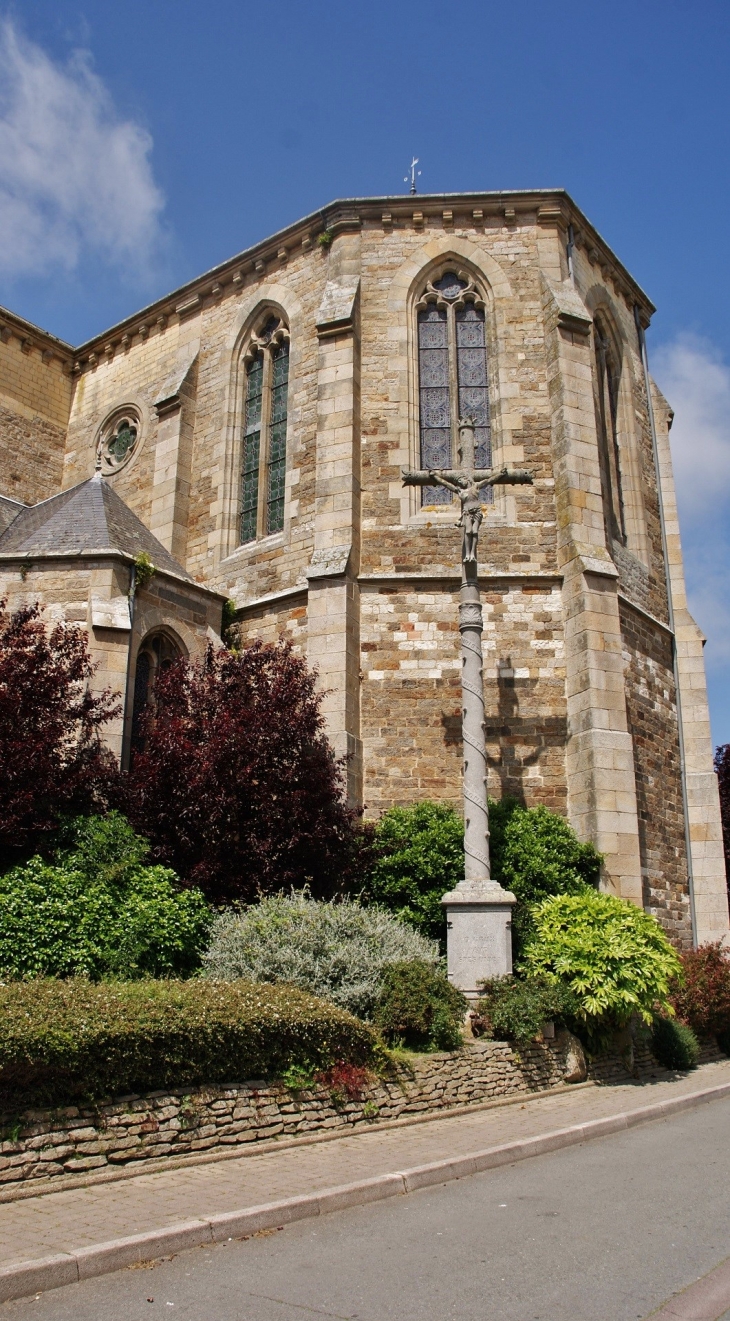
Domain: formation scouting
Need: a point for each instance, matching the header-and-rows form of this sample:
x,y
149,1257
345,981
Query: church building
x,y
246,436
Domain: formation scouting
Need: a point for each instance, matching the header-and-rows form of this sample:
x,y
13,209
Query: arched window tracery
x,y
608,380
452,374
157,651
263,468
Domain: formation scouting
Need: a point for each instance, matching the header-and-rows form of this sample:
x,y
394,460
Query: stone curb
x,y
18,1192
704,1300
28,1277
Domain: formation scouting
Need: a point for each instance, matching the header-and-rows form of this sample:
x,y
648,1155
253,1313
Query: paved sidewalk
x,y
62,1222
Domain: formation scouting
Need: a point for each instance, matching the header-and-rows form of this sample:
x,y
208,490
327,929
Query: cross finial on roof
x,y
413,174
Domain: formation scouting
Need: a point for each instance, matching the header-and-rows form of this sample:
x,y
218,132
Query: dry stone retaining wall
x,y
92,1140
43,1144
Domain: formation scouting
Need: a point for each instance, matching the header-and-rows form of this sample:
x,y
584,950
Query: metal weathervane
x,y
413,175
467,481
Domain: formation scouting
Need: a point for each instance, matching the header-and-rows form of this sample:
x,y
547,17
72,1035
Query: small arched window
x,y
155,654
452,375
264,431
608,378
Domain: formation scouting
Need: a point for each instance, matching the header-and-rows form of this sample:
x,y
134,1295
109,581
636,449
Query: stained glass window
x,y
141,698
264,432
122,440
471,371
453,383
268,330
433,361
252,449
277,439
117,441
450,285
608,380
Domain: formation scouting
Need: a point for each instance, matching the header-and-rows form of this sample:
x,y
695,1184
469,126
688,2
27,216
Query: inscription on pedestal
x,y
479,944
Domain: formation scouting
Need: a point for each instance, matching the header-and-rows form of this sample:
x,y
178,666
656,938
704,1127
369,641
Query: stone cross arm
x,y
457,479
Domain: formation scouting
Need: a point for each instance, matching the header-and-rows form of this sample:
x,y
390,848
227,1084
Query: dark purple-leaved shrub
x,y
237,787
52,760
722,766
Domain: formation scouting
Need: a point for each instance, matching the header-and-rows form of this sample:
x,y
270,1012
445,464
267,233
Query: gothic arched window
x,y
155,654
452,375
264,431
608,377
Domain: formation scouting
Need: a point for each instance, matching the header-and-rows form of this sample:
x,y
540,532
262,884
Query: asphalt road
x,y
604,1232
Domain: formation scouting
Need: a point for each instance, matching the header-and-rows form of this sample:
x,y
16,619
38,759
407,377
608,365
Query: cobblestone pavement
x,y
64,1221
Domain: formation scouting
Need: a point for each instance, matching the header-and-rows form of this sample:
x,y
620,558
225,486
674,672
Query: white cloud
x,y
707,571
74,175
696,382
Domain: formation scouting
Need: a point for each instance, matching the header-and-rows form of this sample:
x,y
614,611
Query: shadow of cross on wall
x,y
516,739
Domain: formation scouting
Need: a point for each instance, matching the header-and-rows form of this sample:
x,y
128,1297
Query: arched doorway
x,y
157,651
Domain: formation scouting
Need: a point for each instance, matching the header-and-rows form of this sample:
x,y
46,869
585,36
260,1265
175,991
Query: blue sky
x,y
142,142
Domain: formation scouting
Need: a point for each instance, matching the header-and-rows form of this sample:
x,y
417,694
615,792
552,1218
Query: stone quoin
x,y
253,427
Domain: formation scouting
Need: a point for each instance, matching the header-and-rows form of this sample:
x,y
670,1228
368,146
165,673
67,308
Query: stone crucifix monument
x,y
479,910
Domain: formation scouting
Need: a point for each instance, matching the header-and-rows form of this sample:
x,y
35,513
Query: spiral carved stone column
x,y
476,817
479,911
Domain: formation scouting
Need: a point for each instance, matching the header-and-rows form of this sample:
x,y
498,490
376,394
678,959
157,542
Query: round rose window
x,y
118,440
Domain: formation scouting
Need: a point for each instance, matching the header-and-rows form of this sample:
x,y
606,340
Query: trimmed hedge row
x,y
65,1041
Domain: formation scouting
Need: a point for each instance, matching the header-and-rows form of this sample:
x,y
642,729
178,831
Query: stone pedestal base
x,y
479,934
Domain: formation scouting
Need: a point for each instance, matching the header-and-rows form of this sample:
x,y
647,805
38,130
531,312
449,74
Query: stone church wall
x,y
411,693
35,398
652,717
136,374
269,623
66,590
524,692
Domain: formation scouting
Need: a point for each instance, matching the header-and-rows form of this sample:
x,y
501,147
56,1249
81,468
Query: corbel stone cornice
x,y
544,207
101,556
32,337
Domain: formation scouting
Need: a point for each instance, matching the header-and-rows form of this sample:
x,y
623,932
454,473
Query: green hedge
x,y
63,1041
419,855
514,1010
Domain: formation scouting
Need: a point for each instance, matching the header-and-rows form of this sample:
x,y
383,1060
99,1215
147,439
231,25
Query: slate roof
x,y
9,509
88,517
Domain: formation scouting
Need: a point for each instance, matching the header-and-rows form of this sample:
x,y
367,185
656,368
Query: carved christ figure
x,y
471,510
466,482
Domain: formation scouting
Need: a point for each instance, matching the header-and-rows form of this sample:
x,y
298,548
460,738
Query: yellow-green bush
x,y
613,956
